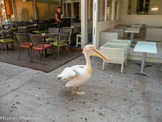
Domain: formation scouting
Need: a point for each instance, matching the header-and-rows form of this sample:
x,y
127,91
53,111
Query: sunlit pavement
x,y
28,95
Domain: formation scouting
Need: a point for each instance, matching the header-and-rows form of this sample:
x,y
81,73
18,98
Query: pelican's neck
x,y
87,60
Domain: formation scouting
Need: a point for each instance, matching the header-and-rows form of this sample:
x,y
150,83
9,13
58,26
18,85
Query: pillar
x,y
35,10
14,9
95,21
84,23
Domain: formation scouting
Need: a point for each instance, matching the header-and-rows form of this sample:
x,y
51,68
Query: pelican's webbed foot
x,y
79,92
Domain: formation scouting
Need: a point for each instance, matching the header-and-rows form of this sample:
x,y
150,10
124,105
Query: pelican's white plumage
x,y
66,74
80,74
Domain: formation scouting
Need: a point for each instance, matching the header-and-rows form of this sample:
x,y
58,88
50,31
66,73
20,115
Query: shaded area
x,y
51,63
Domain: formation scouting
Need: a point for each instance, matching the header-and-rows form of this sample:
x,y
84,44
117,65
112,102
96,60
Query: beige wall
x,y
53,10
133,6
46,11
154,20
101,27
42,10
24,10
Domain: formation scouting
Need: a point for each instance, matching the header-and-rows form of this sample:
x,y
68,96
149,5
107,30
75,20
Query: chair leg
x,y
19,54
53,52
29,52
122,68
44,54
67,48
40,53
103,65
32,56
0,48
59,53
126,62
77,41
3,47
6,47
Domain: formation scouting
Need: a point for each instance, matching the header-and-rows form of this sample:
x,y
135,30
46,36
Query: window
x,y
68,10
104,10
116,10
101,10
71,9
90,10
108,10
145,7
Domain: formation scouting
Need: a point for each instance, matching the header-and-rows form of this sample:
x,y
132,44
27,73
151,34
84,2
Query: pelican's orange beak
x,y
100,55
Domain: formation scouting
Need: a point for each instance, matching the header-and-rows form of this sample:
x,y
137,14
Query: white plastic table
x,y
144,47
132,31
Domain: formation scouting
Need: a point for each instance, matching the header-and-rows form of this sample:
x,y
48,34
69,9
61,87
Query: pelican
x,y
80,74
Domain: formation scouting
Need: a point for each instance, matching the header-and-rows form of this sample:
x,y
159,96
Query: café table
x,y
34,25
132,31
136,26
144,47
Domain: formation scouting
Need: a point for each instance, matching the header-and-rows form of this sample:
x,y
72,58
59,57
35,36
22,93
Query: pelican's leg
x,y
79,92
72,91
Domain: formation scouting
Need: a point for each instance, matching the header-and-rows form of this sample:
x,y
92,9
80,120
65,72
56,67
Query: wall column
x,y
95,21
14,9
84,23
35,10
72,10
113,11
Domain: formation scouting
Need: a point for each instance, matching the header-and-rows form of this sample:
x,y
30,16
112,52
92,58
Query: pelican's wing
x,y
67,74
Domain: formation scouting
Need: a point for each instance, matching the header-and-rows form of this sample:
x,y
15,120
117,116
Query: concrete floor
x,y
32,96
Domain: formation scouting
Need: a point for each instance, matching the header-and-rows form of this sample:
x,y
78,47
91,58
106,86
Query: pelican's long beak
x,y
100,55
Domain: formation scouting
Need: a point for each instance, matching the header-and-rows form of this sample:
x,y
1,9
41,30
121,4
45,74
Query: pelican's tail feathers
x,y
66,74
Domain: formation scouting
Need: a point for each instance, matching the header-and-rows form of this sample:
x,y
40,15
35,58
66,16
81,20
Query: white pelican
x,y
80,74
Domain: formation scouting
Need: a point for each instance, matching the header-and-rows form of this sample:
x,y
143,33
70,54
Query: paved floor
x,y
32,96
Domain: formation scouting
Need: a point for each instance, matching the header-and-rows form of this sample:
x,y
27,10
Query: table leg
x,y
46,53
145,65
142,72
132,38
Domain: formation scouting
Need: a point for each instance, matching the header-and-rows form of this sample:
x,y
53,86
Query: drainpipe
x,y
35,10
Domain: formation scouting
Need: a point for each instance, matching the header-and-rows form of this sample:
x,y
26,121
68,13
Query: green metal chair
x,y
63,30
61,41
52,32
5,39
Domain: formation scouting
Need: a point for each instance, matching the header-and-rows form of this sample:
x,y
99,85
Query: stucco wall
x,y
24,10
45,11
154,20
